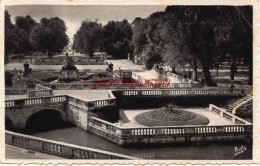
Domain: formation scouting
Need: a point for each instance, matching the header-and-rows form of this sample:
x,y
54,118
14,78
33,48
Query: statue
x,y
66,56
69,64
110,67
27,68
69,71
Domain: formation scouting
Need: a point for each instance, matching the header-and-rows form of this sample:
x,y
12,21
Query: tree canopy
x,y
117,38
26,23
114,38
16,39
195,34
89,37
50,35
26,35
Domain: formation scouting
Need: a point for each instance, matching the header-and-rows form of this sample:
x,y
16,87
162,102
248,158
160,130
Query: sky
x,y
74,15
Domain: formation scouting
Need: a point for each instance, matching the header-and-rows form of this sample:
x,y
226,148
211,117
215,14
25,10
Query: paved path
x,y
13,152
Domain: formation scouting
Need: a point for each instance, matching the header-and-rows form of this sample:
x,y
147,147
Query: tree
x,y
9,36
139,39
26,23
16,39
205,28
244,17
195,35
89,37
50,35
117,38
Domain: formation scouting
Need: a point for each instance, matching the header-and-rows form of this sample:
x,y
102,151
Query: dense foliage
x,y
16,39
50,35
114,38
201,36
27,36
88,38
195,35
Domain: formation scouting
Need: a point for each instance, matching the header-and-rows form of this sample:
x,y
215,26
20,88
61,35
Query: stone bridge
x,y
71,109
78,111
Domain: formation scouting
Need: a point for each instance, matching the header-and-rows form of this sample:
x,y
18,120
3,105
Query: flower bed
x,y
171,116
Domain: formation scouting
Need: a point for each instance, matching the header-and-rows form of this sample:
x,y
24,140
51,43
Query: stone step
x,y
237,102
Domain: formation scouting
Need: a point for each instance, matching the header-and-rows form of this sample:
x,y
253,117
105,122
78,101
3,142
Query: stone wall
x,y
184,97
240,131
57,148
61,62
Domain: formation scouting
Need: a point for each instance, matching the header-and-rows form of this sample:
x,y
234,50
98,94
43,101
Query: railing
x,y
40,87
20,103
240,105
59,148
40,91
175,76
120,131
31,86
62,62
180,78
184,92
20,90
15,91
227,115
77,86
92,104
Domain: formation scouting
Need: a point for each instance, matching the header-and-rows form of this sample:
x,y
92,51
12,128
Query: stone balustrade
x,y
180,78
20,103
39,93
234,111
59,148
31,86
227,115
184,92
175,76
111,101
125,135
78,86
62,62
92,104
40,87
166,130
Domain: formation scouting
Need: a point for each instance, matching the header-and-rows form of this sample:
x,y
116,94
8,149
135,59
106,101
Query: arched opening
x,y
9,125
45,120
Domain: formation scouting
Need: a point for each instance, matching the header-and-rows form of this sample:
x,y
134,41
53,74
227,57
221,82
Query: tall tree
x,y
16,39
117,38
26,23
244,17
139,39
89,37
50,35
9,36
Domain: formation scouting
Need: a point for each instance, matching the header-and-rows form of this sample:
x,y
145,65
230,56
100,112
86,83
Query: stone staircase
x,y
234,103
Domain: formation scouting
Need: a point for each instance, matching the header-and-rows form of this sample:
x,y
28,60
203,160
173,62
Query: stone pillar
x,y
105,58
128,56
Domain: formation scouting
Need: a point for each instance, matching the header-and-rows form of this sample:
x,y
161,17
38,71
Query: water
x,y
74,135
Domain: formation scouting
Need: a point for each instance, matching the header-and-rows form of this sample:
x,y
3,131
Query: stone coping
x,y
68,145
